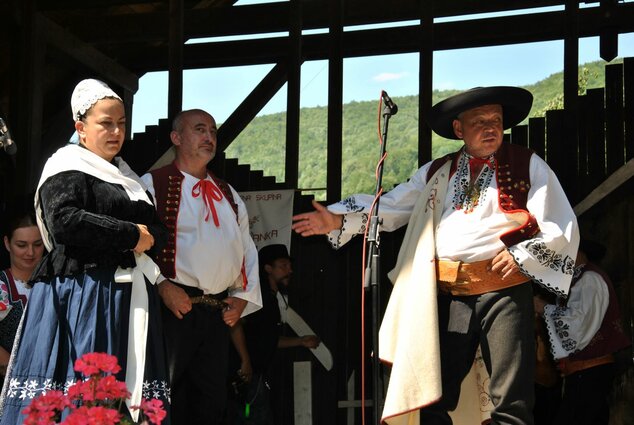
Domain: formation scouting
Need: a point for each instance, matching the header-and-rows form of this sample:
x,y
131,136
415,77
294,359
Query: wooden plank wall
x,y
606,134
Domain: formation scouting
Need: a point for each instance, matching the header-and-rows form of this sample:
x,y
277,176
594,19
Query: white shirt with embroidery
x,y
210,257
572,327
470,226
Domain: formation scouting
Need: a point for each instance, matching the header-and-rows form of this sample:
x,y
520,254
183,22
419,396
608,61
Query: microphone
x,y
388,102
5,139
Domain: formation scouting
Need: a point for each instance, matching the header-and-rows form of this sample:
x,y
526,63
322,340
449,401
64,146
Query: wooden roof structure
x,y
46,46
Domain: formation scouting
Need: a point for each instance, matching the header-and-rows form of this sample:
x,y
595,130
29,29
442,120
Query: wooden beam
x,y
571,98
335,102
406,39
294,58
241,20
32,53
87,55
251,105
175,57
615,180
425,83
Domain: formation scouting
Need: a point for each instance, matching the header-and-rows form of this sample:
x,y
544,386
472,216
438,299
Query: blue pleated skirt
x,y
67,318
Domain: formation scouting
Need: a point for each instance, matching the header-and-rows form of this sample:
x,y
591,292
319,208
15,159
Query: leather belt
x,y
568,367
458,278
215,301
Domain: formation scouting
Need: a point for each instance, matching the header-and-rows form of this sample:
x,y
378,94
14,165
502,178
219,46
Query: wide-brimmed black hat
x,y
516,104
268,254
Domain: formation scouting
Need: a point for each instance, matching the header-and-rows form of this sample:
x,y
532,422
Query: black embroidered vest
x,y
513,180
168,181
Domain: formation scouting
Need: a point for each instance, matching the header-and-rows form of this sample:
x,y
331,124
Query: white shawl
x,y
411,317
77,158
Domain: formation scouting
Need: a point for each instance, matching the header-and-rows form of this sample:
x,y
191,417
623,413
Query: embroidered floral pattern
x,y
351,204
156,389
337,238
562,329
31,388
470,194
549,258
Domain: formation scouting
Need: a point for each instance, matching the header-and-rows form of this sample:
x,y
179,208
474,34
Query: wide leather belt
x,y
458,278
568,367
215,301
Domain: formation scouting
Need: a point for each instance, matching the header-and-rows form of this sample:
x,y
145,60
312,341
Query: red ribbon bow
x,y
474,162
210,193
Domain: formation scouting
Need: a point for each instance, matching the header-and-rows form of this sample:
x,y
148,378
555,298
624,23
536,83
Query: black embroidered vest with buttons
x,y
168,182
513,180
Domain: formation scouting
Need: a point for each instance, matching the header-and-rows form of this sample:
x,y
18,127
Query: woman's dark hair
x,y
18,220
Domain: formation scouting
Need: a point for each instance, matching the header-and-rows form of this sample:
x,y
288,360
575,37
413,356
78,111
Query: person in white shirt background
x,y
585,331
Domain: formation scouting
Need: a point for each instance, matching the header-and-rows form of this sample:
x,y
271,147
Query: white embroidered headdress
x,y
87,93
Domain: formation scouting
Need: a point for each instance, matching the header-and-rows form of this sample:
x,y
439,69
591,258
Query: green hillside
x,y
262,143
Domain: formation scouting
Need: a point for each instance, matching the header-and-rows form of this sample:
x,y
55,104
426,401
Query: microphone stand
x,y
372,273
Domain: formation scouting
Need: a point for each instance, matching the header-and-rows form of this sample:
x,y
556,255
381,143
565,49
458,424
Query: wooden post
x,y
571,90
608,35
176,41
335,102
425,80
293,96
27,122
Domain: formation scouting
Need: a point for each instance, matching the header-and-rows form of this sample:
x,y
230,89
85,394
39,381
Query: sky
x,y
220,91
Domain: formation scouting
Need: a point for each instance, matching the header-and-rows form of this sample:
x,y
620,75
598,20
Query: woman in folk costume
x,y
94,291
25,246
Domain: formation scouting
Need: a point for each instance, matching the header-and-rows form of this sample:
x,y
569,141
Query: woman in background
x,y
25,246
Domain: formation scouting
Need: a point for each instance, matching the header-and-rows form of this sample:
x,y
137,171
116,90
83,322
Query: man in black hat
x,y
263,334
483,222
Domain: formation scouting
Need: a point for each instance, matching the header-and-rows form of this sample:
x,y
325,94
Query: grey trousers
x,y
502,323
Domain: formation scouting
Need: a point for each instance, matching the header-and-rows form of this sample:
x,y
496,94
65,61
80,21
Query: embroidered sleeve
x,y
252,293
395,209
353,224
548,258
572,327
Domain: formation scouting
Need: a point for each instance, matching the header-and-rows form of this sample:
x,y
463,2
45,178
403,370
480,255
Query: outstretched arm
x,y
318,222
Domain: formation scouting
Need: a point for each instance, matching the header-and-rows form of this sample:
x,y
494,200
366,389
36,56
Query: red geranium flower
x,y
95,363
82,391
109,388
96,415
95,397
154,411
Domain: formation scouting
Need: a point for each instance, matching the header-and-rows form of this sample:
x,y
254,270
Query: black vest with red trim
x,y
610,337
513,181
168,181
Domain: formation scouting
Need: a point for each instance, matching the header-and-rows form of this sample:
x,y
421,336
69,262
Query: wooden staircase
x,y
147,147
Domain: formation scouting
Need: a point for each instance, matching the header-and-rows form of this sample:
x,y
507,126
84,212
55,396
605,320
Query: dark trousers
x,y
547,401
585,397
197,350
502,323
